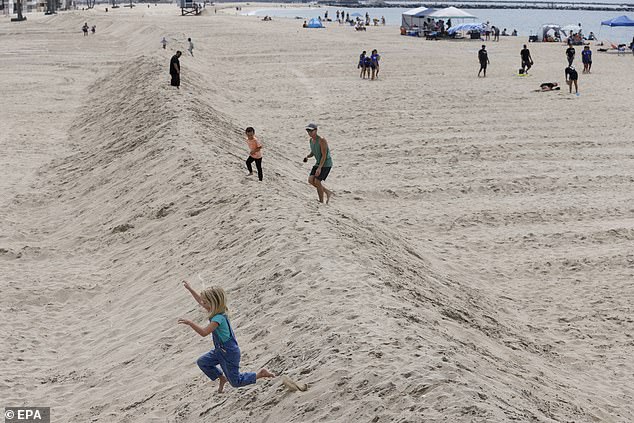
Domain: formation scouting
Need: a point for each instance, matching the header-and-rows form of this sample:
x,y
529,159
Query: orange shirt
x,y
253,144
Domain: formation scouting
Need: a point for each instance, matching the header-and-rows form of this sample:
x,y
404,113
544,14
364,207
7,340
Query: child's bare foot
x,y
222,379
263,373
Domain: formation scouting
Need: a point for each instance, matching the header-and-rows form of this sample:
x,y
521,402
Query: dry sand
x,y
475,266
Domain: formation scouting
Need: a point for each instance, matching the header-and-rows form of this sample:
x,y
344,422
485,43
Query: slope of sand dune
x,y
475,264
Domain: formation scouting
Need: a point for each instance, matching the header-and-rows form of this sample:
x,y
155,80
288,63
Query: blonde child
x,y
226,352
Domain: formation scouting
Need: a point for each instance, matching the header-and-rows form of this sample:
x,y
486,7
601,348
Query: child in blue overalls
x,y
226,352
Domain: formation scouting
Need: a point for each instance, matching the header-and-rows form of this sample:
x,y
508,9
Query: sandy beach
x,y
475,265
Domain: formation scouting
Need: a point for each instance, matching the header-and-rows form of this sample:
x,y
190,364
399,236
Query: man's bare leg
x,y
317,184
320,190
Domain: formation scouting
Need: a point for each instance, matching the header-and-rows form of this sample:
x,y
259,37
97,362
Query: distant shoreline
x,y
593,7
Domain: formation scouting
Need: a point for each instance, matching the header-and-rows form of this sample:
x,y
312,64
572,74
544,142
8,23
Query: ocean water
x,y
526,21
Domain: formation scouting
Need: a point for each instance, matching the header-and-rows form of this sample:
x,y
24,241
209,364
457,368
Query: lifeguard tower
x,y
190,7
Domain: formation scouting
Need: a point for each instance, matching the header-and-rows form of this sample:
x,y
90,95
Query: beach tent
x,y
451,13
620,21
415,17
314,23
466,27
556,29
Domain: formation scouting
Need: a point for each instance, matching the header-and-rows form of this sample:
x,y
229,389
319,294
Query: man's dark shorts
x,y
322,175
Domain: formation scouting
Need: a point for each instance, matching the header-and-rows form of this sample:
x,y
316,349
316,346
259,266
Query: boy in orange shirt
x,y
255,152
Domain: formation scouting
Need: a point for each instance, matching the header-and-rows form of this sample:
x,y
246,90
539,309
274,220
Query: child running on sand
x,y
226,352
255,152
190,46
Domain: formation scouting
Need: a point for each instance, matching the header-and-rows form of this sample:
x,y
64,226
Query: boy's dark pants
x,y
258,164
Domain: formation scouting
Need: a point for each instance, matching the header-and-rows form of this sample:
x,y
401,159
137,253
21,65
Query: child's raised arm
x,y
196,296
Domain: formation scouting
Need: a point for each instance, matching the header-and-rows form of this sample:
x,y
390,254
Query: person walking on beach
x,y
175,70
164,43
85,29
367,65
571,78
527,60
483,57
375,57
255,152
226,352
190,47
586,58
497,34
323,162
570,54
487,31
361,64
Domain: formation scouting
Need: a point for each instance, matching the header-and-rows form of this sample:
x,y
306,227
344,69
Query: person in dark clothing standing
x,y
175,70
571,78
527,60
570,55
483,57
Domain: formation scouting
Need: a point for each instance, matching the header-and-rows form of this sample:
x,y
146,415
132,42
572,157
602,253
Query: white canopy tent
x,y
415,17
450,13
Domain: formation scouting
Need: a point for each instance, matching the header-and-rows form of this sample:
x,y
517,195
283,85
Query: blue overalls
x,y
227,355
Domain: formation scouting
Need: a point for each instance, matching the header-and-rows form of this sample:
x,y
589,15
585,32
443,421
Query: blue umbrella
x,y
620,21
466,27
357,14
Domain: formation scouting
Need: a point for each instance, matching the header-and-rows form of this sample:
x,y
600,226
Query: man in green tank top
x,y
323,162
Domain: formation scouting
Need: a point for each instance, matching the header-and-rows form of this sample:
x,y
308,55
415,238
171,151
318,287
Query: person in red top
x,y
255,152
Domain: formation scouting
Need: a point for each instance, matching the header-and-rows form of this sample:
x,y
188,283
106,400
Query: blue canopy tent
x,y
314,23
620,21
622,29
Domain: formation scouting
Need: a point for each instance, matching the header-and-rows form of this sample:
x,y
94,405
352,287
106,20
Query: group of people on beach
x,y
319,149
344,17
85,28
369,65
571,74
223,362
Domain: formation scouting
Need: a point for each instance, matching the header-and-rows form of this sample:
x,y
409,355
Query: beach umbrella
x,y
466,27
356,14
620,21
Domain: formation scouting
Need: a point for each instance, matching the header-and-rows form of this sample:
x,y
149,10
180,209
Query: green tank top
x,y
316,150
